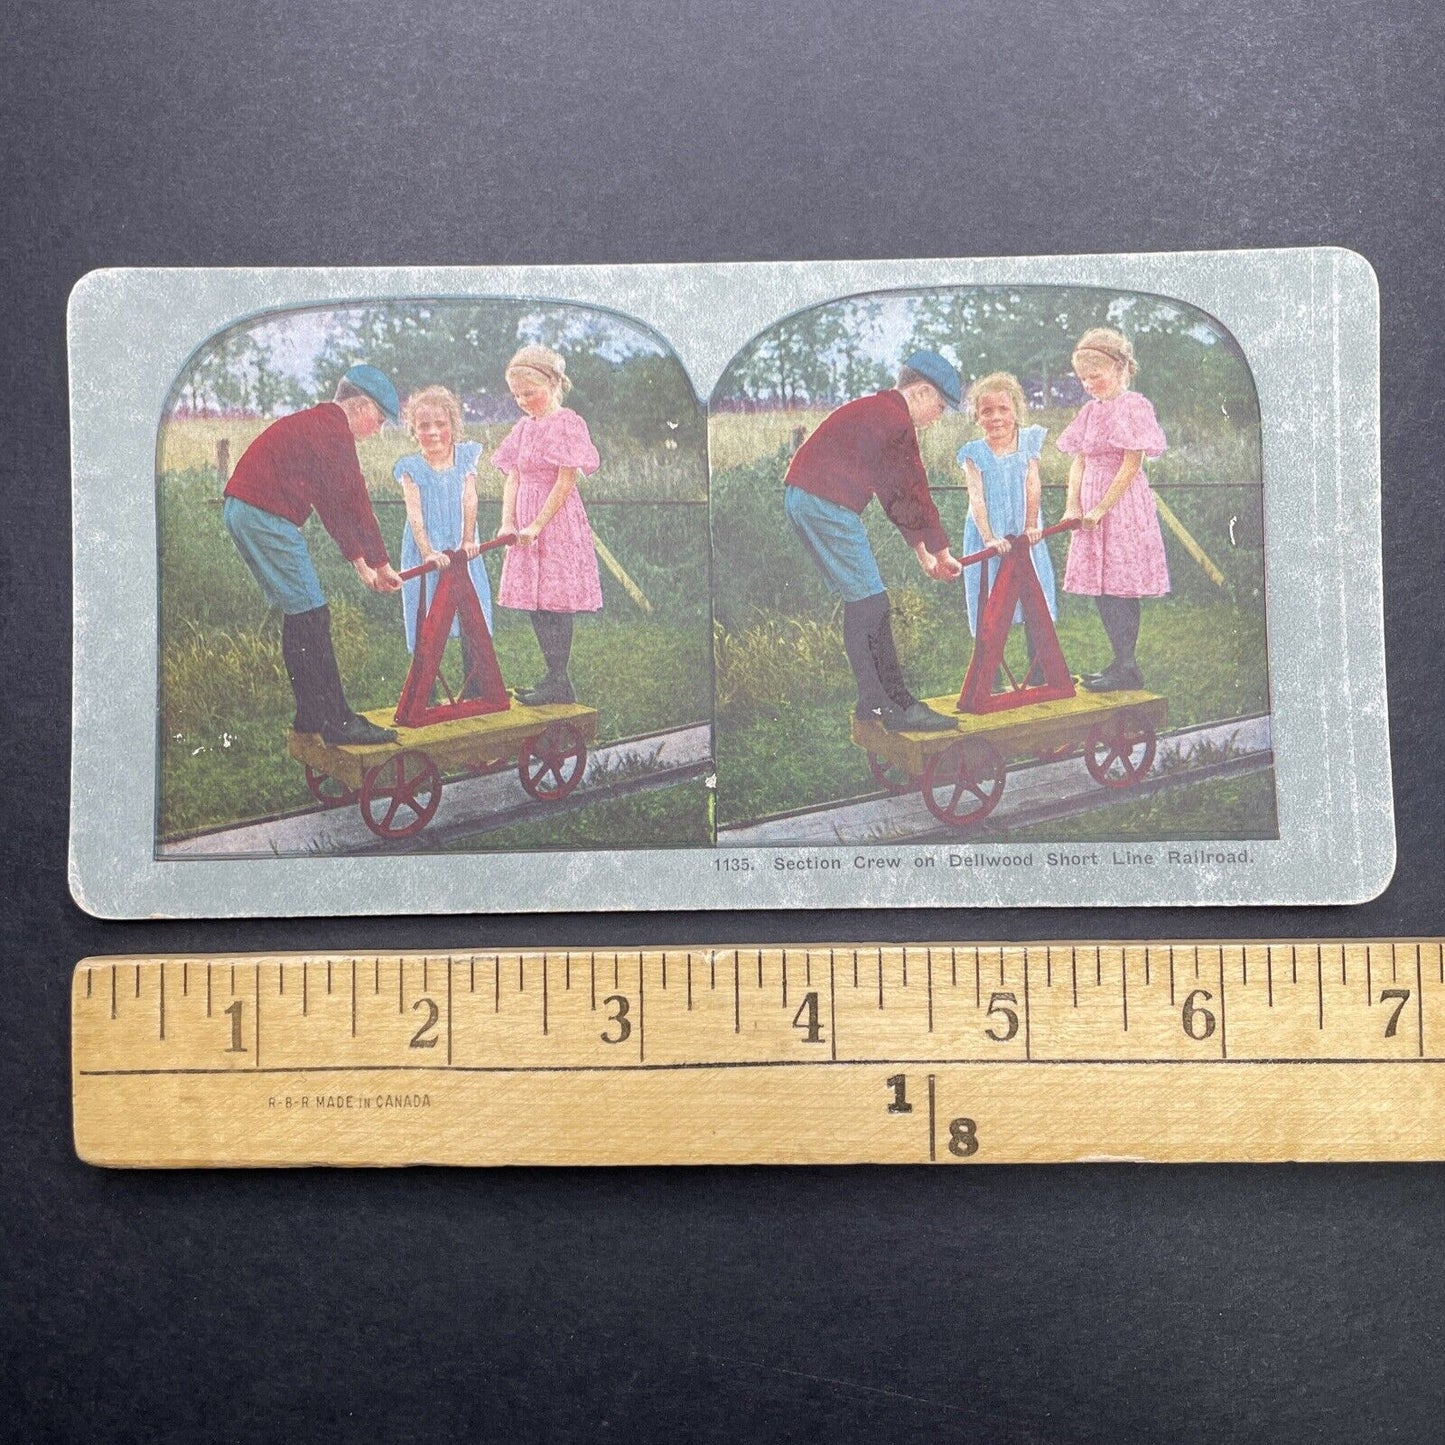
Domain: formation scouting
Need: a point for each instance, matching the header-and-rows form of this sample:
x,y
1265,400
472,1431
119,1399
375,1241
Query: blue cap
x,y
377,385
933,368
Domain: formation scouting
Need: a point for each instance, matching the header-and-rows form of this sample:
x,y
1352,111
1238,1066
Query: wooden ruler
x,y
809,1054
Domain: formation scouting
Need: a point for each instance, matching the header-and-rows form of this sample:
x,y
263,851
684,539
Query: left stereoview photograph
x,y
428,580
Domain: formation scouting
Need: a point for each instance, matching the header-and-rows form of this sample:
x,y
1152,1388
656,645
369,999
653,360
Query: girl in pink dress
x,y
1117,555
551,573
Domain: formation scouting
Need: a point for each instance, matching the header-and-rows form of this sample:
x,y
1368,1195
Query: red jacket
x,y
869,448
308,461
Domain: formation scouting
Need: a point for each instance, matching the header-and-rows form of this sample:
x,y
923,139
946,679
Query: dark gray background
x,y
994,1304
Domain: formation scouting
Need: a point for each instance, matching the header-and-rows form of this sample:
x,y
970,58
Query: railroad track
x,y
1037,792
468,806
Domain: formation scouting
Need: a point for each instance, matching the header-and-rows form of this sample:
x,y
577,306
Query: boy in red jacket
x,y
869,448
302,463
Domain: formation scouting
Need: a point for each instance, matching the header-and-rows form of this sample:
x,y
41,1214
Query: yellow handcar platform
x,y
398,785
962,773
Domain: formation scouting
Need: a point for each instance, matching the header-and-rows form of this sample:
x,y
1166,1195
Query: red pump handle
x,y
507,539
974,558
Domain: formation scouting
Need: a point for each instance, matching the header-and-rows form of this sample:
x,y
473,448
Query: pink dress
x,y
558,572
1124,555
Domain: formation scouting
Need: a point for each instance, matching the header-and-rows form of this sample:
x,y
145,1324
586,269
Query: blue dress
x,y
1005,482
441,515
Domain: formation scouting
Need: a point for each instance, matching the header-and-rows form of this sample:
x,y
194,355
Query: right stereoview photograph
x,y
988,563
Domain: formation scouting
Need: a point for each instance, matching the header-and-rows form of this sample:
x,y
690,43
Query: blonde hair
x,y
550,365
998,381
1110,344
437,396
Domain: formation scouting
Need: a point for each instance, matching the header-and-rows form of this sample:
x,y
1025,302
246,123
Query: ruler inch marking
x,y
929,963
1028,1024
1419,999
1223,1036
833,1010
1364,1086
1124,984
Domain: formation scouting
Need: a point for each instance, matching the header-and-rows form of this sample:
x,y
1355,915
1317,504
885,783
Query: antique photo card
x,y
974,582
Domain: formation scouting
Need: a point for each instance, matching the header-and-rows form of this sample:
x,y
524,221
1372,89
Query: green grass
x,y
641,675
795,751
225,703
1213,811
676,817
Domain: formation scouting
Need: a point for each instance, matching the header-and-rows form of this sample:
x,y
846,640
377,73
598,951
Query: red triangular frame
x,y
1017,585
453,596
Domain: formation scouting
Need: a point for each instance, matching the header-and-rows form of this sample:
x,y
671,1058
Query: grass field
x,y
784,689
1223,455
226,705
796,751
1219,810
626,473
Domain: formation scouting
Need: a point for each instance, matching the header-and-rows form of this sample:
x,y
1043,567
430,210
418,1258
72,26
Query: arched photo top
x,y
808,363
627,384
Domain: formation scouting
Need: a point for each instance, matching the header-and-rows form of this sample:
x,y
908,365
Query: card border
x,y
1307,320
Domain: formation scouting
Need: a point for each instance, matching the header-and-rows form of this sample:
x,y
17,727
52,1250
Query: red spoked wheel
x,y
400,796
963,783
1120,751
552,763
328,791
890,776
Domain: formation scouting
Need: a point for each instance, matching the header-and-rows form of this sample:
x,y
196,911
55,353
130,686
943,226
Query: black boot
x,y
885,661
554,637
1120,616
296,653
316,681
860,622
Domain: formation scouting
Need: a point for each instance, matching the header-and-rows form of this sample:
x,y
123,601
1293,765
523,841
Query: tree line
x,y
1188,363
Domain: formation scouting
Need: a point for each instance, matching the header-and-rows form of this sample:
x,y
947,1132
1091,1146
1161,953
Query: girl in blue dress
x,y
439,487
1005,491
